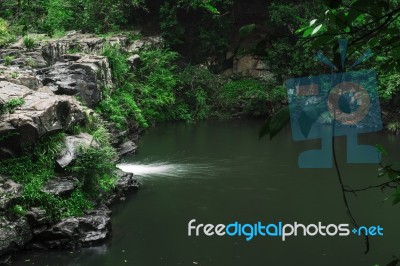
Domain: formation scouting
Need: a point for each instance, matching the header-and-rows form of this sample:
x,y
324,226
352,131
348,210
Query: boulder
x,y
83,75
126,182
41,114
134,61
73,144
126,148
9,193
146,42
60,186
75,232
20,77
13,235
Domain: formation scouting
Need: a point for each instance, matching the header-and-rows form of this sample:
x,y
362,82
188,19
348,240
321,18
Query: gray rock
x,y
82,75
75,232
126,182
134,61
41,114
37,217
13,235
20,77
61,186
9,193
146,42
73,144
127,148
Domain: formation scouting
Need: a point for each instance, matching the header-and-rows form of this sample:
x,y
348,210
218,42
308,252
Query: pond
x,y
219,172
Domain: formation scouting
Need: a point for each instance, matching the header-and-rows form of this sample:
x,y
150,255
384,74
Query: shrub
x,y
250,96
29,42
394,127
5,36
11,105
8,60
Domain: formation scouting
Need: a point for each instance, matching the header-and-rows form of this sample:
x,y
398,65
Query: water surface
x,y
219,172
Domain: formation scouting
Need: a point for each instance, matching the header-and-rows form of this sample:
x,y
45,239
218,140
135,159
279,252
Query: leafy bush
x,y
8,60
11,105
5,36
196,94
29,42
145,97
394,127
251,96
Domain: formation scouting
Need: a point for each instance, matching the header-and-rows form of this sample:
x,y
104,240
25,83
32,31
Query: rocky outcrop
x,y
49,79
10,192
13,235
126,148
75,232
82,75
41,114
61,186
24,77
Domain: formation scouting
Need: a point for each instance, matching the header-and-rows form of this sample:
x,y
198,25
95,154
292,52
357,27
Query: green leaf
x,y
278,121
316,29
396,199
312,22
307,32
381,149
246,30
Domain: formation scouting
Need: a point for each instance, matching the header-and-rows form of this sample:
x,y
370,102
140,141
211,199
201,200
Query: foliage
x,y
196,28
8,60
147,96
251,97
11,105
394,127
5,36
196,94
29,42
36,166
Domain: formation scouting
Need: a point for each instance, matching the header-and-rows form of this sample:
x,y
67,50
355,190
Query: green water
x,y
219,172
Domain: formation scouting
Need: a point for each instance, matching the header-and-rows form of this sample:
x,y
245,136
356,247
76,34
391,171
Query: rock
x,y
61,186
134,61
126,148
85,43
41,114
13,235
126,182
81,75
251,66
9,193
151,42
73,144
37,217
75,232
20,77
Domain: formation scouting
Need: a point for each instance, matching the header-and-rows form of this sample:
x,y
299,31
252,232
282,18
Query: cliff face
x,y
54,90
